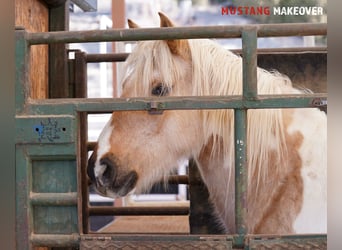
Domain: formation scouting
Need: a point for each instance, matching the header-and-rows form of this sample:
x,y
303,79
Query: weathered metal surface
x,y
249,63
54,240
107,105
317,242
58,68
240,138
45,129
250,86
155,242
53,199
43,169
43,219
80,75
227,31
22,53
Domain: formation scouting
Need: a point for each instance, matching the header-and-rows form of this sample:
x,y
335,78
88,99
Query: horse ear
x,y
132,25
177,47
165,21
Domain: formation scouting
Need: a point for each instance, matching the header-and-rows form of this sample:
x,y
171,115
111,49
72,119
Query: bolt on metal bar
x,y
226,31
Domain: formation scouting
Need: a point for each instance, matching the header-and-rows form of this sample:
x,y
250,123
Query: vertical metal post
x,y
23,228
119,22
240,116
22,52
249,46
58,68
249,61
79,87
22,92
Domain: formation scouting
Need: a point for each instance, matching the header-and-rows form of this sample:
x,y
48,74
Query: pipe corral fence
x,y
52,206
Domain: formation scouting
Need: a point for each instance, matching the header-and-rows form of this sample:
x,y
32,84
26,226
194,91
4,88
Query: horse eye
x,y
160,90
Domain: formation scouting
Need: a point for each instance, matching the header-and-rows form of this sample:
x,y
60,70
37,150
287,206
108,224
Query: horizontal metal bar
x,y
54,199
226,31
108,210
238,241
106,105
252,241
178,179
120,57
292,50
111,57
287,241
55,240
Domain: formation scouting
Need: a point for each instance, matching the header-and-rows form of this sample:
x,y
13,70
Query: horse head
x,y
134,149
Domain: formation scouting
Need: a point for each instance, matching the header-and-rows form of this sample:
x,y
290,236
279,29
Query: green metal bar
x,y
312,241
228,31
22,52
54,199
23,209
106,105
159,241
241,104
250,92
92,241
55,240
249,62
240,138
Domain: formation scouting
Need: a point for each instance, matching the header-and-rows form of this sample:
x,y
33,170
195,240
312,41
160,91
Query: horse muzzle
x,y
107,178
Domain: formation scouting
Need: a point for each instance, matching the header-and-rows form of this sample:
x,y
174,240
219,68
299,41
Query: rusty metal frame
x,y
224,31
249,99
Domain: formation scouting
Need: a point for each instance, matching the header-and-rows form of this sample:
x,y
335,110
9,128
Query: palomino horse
x,y
286,149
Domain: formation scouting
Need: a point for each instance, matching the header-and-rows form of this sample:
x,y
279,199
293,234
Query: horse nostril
x,y
110,171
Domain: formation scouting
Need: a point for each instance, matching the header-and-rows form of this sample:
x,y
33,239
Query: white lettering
x,y
319,11
296,10
276,11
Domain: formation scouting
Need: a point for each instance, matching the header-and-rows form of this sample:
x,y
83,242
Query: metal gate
x,y
50,159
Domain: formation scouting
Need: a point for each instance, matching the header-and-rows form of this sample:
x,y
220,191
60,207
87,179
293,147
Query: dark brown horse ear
x,y
165,21
177,47
132,25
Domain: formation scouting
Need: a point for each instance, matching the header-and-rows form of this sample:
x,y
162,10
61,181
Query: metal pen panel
x,y
226,31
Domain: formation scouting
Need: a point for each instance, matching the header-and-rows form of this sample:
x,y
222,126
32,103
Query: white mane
x,y
216,71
